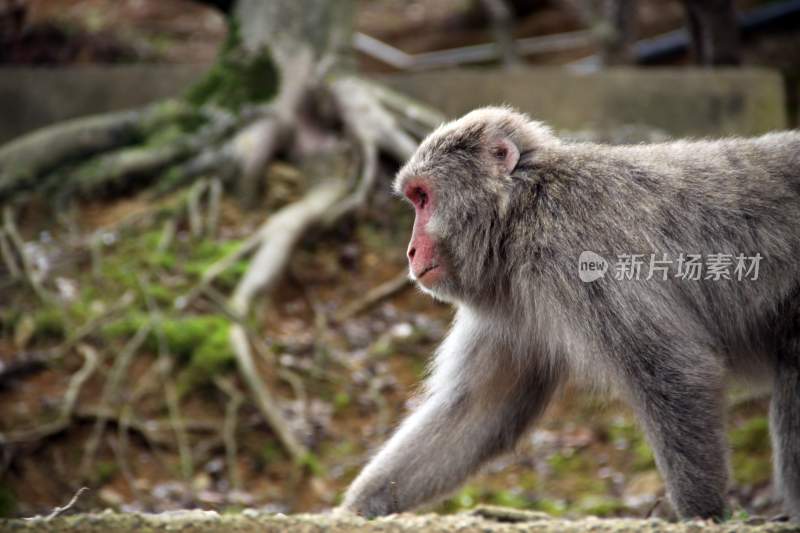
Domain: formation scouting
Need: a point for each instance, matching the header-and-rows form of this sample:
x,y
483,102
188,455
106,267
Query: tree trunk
x,y
502,22
289,28
617,42
714,32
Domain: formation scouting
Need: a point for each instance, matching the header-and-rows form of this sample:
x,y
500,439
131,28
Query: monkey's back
x,y
726,197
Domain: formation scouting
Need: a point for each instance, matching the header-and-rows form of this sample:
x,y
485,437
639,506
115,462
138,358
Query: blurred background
x,y
203,299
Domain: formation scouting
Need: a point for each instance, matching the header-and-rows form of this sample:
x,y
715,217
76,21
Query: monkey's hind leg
x,y
682,410
785,426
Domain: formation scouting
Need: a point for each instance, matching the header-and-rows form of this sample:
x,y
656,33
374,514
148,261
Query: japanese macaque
x,y
504,210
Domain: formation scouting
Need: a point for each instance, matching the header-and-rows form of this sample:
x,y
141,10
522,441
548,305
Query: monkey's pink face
x,y
423,259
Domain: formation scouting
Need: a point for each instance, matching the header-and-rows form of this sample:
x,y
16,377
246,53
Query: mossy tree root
x,y
26,159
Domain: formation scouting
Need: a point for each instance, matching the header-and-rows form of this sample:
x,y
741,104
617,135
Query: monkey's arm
x,y
478,404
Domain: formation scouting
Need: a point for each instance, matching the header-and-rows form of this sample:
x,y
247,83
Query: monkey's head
x,y
460,182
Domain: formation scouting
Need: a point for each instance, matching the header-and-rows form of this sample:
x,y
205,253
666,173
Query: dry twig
x,y
112,393
10,227
170,392
10,261
229,430
374,296
58,510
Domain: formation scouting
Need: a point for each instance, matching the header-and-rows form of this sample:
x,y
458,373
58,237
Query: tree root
x,y
111,394
14,237
27,158
118,168
414,116
68,406
282,232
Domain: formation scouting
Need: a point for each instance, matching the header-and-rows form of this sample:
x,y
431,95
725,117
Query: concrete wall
x,y
678,101
34,97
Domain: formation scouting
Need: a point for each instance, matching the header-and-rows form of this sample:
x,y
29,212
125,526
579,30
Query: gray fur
x,y
526,322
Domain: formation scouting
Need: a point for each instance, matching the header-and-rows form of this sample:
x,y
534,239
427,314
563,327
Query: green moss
x,y
127,326
149,239
8,502
164,136
189,120
508,498
161,295
529,481
215,351
104,471
169,181
206,253
197,335
341,449
271,453
49,323
752,436
167,113
236,78
751,470
624,433
643,458
312,463
599,505
578,471
751,451
551,507
199,340
471,495
622,430
383,347
736,515
341,400
121,275
466,498
163,260
567,462
9,318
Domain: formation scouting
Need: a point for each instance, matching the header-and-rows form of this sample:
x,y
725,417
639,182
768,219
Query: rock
x,y
110,497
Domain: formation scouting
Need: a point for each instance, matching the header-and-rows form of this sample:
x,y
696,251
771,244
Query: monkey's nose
x,y
411,252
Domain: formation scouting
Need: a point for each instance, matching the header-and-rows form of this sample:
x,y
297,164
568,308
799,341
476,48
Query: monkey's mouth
x,y
427,270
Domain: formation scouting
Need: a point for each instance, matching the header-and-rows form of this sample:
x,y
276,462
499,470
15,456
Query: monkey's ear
x,y
506,153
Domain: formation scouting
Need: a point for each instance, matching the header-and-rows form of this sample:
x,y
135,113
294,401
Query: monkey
x,y
503,210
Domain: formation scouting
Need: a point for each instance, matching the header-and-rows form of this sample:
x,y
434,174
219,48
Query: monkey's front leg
x,y
478,404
